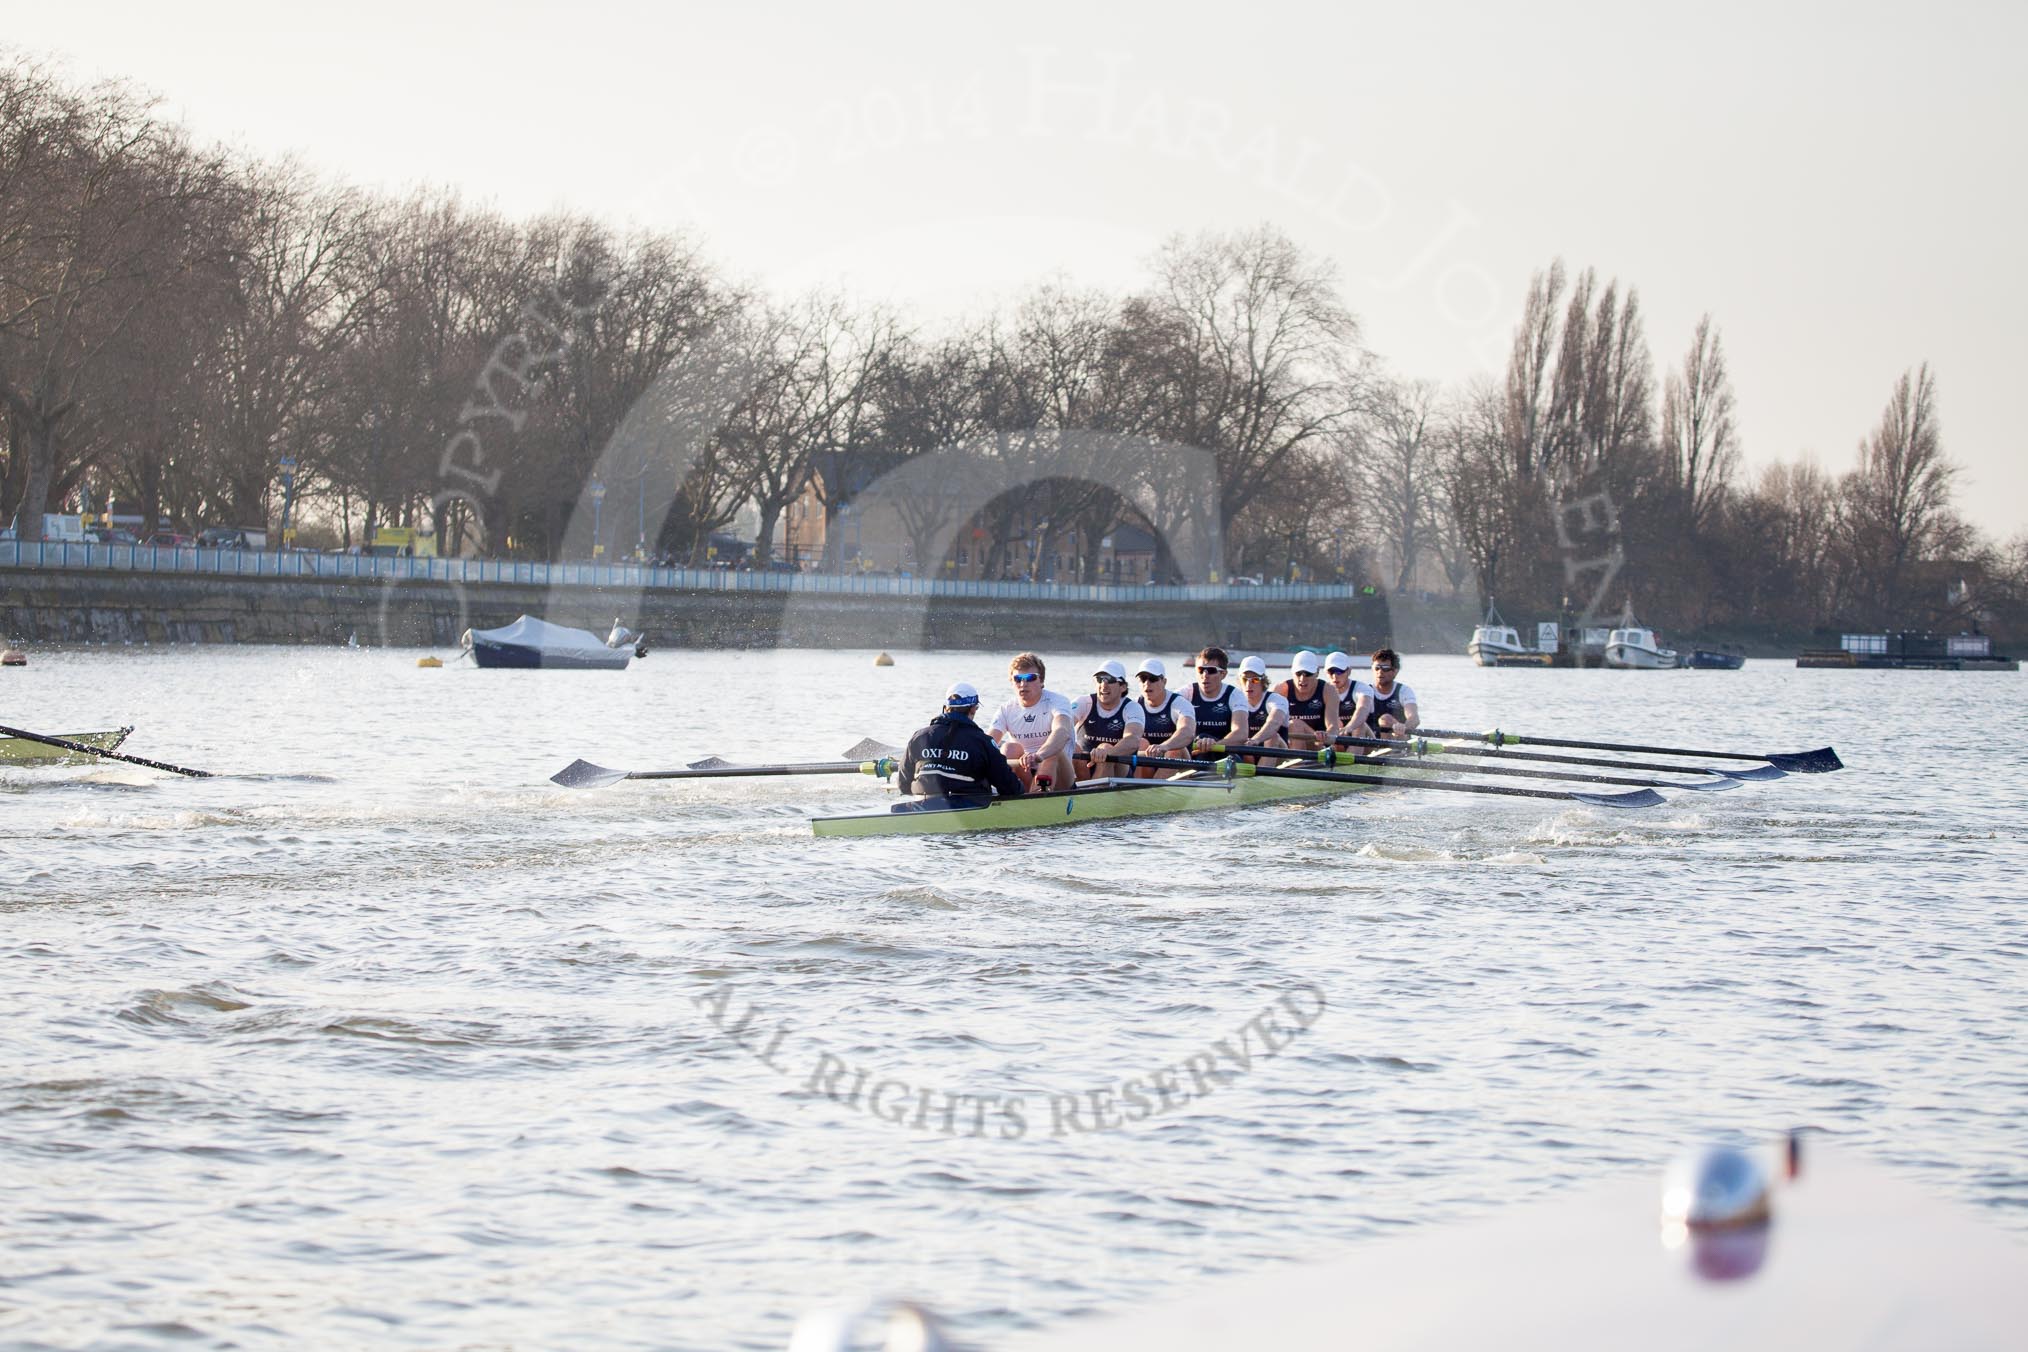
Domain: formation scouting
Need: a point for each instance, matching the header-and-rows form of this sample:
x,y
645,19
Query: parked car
x,y
232,537
112,535
169,539
1242,580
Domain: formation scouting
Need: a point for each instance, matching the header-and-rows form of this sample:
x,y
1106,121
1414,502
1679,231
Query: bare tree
x,y
1897,504
1395,471
101,213
1699,433
1256,357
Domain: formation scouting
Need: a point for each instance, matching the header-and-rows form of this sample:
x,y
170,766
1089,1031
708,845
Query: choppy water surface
x,y
381,1038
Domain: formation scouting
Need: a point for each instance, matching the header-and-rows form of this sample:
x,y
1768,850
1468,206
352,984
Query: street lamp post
x,y
288,499
598,497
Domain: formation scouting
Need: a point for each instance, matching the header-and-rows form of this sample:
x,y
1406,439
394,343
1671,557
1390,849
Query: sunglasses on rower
x,y
1024,677
1211,671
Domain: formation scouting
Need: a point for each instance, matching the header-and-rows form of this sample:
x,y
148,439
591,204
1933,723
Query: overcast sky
x,y
1840,186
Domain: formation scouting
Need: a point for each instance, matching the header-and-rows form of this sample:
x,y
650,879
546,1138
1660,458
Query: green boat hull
x,y
1093,800
16,751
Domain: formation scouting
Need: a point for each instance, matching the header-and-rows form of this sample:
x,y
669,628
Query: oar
x,y
583,774
69,745
1242,769
1328,758
1821,761
1420,746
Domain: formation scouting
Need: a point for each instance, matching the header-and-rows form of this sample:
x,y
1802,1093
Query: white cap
x,y
1304,661
1254,666
961,696
1152,666
1114,670
1340,660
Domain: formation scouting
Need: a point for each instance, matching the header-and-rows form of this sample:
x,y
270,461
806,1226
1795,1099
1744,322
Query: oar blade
x,y
1719,785
1757,772
1632,798
868,748
582,774
1819,762
710,763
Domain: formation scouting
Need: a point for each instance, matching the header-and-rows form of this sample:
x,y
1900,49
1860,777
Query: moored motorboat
x,y
532,643
1494,639
1635,648
18,751
1710,659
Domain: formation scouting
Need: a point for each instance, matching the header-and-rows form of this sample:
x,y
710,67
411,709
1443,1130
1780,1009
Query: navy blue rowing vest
x,y
1098,727
1214,719
1161,723
1310,711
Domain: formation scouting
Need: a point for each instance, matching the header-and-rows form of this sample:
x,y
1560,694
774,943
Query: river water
x,y
379,1037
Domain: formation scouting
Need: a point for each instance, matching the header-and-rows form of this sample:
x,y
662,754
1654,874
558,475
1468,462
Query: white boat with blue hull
x,y
531,643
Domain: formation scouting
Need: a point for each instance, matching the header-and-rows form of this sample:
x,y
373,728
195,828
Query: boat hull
x,y
1498,654
1706,660
1627,657
519,657
16,751
1094,800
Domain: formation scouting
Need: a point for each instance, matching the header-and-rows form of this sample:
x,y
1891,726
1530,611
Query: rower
x,y
1338,671
1166,720
1313,712
1215,707
1034,728
1266,714
1109,725
952,758
1386,708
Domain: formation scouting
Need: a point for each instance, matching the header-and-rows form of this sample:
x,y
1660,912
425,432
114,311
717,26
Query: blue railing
x,y
57,555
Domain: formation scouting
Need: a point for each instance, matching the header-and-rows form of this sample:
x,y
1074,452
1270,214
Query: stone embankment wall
x,y
38,605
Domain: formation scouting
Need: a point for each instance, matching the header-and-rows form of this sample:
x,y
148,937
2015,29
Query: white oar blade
x,y
582,774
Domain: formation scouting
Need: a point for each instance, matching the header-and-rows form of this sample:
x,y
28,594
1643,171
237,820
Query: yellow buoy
x,y
429,661
883,661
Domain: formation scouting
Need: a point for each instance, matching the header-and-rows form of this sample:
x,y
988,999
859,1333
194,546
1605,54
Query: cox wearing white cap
x,y
1266,713
1167,724
1109,723
952,758
1313,713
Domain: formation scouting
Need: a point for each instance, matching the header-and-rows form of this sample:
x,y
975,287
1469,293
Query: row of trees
x,y
200,335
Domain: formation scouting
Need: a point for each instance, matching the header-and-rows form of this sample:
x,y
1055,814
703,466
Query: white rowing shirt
x,y
1030,727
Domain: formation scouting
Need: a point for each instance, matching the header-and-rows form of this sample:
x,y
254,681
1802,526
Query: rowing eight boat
x,y
21,751
1093,800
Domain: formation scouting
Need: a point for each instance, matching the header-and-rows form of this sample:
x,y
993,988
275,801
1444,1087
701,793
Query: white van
x,y
69,530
